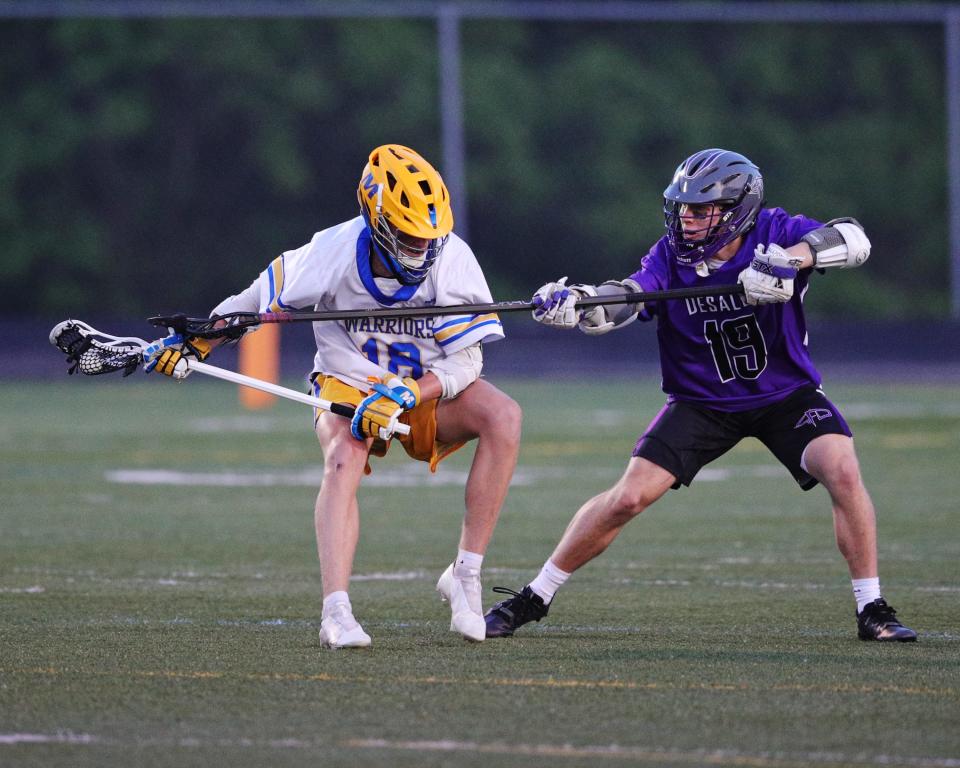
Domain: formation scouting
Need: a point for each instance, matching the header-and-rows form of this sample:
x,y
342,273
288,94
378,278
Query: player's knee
x,y
626,501
843,476
512,418
344,456
503,419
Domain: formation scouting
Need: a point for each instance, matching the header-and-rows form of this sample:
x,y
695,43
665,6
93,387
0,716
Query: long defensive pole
x,y
205,327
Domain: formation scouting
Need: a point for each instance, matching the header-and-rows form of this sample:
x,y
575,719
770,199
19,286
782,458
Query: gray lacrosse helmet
x,y
712,176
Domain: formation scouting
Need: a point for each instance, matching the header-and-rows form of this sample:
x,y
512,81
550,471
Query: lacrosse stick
x,y
92,352
236,322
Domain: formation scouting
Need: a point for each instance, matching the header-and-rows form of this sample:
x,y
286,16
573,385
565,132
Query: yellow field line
x,y
528,682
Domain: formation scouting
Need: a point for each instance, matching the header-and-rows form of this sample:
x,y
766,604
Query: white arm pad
x,y
458,371
839,243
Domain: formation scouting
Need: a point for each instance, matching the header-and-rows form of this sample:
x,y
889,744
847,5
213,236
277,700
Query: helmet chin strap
x,y
386,260
378,257
386,263
376,252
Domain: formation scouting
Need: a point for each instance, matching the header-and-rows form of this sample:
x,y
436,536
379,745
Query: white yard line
x,y
394,576
60,737
311,477
733,687
413,477
704,756
625,577
653,754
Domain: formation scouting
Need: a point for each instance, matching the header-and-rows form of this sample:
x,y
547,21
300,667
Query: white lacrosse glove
x,y
555,304
592,320
769,278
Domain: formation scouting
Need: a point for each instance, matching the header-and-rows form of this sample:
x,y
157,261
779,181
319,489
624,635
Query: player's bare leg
x,y
832,460
595,525
484,413
598,522
337,524
337,515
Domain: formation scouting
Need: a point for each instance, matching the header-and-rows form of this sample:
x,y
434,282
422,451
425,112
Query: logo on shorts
x,y
813,416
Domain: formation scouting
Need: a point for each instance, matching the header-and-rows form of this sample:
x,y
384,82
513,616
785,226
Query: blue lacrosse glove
x,y
379,412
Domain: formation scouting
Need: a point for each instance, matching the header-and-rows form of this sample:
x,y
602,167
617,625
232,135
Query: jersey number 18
x,y
403,358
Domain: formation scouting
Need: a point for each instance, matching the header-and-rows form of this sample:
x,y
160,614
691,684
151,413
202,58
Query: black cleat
x,y
510,614
877,621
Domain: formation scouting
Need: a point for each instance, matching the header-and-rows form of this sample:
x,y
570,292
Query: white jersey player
x,y
333,272
423,372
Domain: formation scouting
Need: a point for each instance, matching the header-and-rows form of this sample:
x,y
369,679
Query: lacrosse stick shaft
x,y
500,306
273,389
205,327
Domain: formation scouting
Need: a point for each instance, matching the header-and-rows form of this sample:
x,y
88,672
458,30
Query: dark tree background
x,y
158,165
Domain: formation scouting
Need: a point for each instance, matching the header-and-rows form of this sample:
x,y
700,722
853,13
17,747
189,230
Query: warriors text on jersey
x,y
332,272
720,351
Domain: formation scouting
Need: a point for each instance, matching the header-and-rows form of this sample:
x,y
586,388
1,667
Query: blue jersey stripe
x,y
277,266
469,330
273,287
459,320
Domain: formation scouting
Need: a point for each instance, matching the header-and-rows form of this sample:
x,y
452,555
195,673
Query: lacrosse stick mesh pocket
x,y
92,358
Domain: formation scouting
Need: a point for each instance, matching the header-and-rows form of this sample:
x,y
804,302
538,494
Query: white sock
x,y
866,591
332,599
548,581
467,564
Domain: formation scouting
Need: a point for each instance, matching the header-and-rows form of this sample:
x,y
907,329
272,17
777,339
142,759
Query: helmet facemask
x,y
408,258
690,248
729,182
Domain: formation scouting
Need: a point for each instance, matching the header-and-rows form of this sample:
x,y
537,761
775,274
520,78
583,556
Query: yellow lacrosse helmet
x,y
407,209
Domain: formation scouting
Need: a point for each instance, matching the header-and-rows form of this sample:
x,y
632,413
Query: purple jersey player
x,y
733,367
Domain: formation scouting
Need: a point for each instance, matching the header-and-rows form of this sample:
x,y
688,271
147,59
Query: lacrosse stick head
x,y
92,353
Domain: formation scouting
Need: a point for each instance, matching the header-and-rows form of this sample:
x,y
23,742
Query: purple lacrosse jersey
x,y
718,350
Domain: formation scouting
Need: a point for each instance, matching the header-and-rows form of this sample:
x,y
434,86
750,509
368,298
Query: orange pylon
x,y
259,357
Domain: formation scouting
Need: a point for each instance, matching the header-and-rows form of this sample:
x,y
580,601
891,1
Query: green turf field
x,y
159,595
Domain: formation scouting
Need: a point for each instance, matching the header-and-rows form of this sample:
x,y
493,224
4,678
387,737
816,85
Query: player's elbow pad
x,y
458,371
839,243
605,318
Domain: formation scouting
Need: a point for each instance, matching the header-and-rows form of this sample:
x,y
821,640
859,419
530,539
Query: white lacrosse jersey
x,y
332,272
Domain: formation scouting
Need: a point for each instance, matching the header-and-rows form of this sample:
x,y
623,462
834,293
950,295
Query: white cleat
x,y
465,604
340,630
